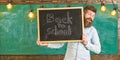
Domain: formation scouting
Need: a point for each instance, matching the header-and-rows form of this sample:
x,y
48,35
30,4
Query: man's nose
x,y
91,17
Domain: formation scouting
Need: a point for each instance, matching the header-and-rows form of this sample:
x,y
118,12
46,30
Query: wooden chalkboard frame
x,y
65,8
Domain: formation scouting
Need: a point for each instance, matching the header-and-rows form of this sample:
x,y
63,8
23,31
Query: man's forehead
x,y
89,11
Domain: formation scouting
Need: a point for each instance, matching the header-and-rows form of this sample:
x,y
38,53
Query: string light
x,y
31,14
103,7
9,5
113,12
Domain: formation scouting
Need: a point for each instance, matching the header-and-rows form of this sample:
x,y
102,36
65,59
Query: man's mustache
x,y
89,19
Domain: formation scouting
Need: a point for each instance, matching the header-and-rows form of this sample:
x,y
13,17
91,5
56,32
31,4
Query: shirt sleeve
x,y
55,45
94,45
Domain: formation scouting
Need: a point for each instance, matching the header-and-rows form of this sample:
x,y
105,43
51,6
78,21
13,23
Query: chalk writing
x,y
62,24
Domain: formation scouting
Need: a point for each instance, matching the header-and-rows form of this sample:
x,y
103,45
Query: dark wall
x,y
58,57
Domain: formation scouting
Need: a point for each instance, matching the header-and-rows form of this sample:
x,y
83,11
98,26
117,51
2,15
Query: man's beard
x,y
88,22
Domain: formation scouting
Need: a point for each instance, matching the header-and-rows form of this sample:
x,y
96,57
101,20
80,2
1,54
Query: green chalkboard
x,y
18,33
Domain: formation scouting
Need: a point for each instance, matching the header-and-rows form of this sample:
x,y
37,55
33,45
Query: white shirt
x,y
77,51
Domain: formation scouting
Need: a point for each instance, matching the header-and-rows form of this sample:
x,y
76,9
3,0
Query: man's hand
x,y
85,42
41,43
